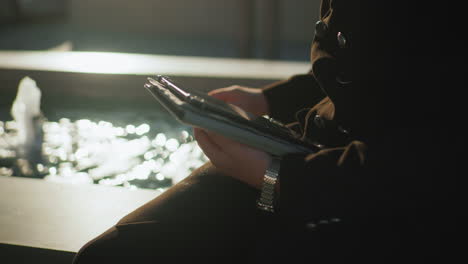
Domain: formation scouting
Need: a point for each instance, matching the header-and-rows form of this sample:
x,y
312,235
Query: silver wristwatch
x,y
267,196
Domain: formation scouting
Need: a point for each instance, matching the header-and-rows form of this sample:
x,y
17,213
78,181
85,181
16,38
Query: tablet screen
x,y
203,100
221,109
200,109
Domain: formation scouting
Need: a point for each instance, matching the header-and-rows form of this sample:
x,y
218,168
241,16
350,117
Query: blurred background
x,y
89,60
82,143
272,29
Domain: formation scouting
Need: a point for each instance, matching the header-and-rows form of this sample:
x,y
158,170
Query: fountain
x,y
26,111
130,148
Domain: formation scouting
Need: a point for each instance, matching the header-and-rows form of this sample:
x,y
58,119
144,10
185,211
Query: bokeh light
x,y
84,151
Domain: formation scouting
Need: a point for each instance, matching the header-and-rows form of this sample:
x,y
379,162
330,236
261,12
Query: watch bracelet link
x,y
267,196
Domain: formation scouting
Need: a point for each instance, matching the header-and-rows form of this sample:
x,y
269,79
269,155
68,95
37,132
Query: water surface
x,y
133,149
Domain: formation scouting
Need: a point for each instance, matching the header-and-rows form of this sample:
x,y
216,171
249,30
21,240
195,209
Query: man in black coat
x,y
373,194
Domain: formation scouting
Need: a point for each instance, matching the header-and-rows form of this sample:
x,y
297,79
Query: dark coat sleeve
x,y
381,200
329,203
287,97
364,201
324,185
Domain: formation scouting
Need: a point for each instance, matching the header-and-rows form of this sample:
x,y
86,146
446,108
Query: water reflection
x,y
85,151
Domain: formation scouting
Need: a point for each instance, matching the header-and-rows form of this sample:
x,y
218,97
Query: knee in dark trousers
x,y
205,215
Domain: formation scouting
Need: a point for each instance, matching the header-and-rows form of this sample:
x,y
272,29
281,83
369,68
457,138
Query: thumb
x,y
223,96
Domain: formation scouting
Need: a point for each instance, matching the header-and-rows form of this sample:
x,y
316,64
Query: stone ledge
x,y
114,79
146,64
62,217
20,254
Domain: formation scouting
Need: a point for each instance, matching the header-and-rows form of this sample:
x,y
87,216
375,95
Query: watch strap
x,y
267,195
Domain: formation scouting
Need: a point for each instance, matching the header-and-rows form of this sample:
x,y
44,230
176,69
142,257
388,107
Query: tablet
x,y
198,109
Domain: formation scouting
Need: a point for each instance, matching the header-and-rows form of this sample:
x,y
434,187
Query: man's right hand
x,y
251,100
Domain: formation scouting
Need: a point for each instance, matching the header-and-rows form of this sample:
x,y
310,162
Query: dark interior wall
x,y
199,18
217,28
298,19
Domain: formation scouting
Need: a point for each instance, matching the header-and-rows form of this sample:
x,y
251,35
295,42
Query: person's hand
x,y
232,158
228,156
251,100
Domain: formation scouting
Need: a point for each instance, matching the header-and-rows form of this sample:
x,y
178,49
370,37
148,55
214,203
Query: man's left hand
x,y
232,158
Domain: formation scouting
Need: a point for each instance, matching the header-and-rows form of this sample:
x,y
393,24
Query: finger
x,y
209,147
228,94
241,112
223,96
221,90
204,139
